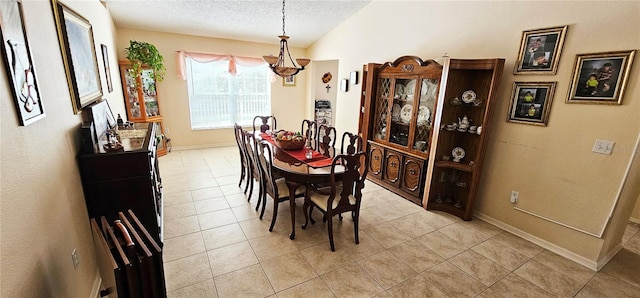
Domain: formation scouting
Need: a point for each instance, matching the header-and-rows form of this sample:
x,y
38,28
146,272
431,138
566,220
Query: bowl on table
x,y
290,141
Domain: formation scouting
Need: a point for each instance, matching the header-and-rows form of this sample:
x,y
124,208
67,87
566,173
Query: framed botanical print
x,y
600,78
75,35
540,51
531,102
18,63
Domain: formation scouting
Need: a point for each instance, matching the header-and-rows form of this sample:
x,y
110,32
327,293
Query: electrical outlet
x,y
166,130
74,259
514,196
603,146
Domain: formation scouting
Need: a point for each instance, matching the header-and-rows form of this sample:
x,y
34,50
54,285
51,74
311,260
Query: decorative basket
x,y
293,144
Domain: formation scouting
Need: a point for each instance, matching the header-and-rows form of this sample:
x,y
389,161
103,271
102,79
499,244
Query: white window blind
x,y
218,99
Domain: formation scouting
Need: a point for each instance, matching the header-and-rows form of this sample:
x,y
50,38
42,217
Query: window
x,y
218,100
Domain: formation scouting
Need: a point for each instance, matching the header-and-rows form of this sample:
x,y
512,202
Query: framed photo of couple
x,y
540,51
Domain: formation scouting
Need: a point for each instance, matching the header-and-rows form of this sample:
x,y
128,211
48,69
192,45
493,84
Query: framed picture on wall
x,y
75,35
531,102
107,69
18,63
540,51
600,78
289,81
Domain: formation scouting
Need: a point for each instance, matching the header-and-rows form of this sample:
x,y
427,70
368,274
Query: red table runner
x,y
317,160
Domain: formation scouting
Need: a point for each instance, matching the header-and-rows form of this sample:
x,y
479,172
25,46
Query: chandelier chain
x,y
283,33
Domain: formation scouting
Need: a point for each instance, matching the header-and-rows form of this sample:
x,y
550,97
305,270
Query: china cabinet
x,y
125,179
463,122
397,108
426,126
141,99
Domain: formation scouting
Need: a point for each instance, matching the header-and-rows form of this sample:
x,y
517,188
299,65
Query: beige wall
x,y
635,215
288,103
42,206
552,167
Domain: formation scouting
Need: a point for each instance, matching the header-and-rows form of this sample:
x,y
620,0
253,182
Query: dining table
x,y
298,170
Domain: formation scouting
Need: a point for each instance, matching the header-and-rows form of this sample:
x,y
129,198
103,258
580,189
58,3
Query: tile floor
x,y
216,246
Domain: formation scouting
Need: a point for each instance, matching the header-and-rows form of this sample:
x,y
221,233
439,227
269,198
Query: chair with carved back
x,y
309,129
265,123
254,170
341,196
273,185
354,143
244,163
326,140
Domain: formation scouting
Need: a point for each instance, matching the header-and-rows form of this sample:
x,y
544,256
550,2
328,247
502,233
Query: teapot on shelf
x,y
464,122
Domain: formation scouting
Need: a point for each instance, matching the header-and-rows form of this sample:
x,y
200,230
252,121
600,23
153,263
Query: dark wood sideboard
x,y
127,179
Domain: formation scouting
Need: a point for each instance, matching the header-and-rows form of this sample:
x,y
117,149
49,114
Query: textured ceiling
x,y
246,20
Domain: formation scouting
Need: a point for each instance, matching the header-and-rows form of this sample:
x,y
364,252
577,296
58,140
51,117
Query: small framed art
x,y
344,85
18,63
353,76
531,102
289,81
107,69
600,78
540,51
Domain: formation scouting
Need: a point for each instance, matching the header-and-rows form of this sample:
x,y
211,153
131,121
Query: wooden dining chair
x,y
254,170
244,164
265,123
341,196
273,186
326,140
354,143
309,129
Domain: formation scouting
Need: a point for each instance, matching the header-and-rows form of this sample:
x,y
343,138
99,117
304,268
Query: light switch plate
x,y
603,146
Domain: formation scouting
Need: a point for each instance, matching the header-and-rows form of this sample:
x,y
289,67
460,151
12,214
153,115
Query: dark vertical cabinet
x,y
127,179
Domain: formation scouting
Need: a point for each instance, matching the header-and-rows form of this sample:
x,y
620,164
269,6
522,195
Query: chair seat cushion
x,y
283,190
320,197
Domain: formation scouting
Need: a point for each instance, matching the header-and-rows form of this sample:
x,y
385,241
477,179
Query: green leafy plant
x,y
142,53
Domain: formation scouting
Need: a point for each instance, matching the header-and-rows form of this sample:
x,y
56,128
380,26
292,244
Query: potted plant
x,y
142,53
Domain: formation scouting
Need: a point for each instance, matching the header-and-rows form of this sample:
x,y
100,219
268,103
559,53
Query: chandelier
x,y
277,64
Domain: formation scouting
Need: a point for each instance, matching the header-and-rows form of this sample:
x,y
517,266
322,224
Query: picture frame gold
x,y
289,81
600,78
75,35
540,51
531,102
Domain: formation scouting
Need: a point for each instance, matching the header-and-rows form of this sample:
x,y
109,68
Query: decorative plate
x,y
468,96
457,153
410,88
405,113
399,89
423,115
395,113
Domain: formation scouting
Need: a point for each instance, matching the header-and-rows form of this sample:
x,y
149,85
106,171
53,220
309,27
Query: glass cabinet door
x,y
426,109
380,109
131,93
402,111
149,93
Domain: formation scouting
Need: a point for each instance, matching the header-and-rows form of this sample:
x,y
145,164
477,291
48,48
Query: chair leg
x,y
250,189
305,209
330,231
313,222
249,179
264,204
242,173
275,214
356,217
260,191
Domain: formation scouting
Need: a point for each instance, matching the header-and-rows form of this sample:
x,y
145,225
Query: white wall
x,y
552,167
42,208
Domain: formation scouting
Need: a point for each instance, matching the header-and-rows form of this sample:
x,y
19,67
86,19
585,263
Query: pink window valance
x,y
203,58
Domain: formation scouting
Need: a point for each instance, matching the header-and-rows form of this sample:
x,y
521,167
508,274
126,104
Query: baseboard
x,y
97,284
180,148
634,220
609,256
542,243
